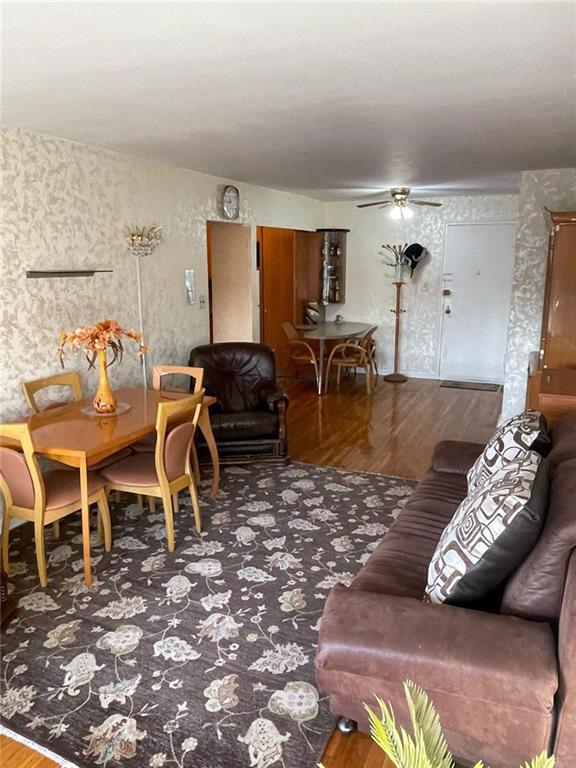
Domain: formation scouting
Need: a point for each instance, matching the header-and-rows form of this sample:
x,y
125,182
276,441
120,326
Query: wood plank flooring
x,y
392,432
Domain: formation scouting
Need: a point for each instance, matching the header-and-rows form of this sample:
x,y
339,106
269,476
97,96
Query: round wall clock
x,y
230,202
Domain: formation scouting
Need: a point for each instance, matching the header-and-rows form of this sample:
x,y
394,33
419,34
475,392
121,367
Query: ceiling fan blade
x,y
423,202
368,205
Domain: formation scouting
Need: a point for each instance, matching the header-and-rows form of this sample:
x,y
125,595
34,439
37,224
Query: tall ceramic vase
x,y
104,400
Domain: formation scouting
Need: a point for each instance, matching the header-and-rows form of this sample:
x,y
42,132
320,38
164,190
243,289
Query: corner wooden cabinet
x,y
552,372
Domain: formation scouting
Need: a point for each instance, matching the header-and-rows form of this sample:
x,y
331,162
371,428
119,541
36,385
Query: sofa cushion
x,y
455,456
234,372
399,566
535,590
493,530
526,431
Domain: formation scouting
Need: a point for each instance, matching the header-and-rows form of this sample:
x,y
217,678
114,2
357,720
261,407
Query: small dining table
x,y
75,435
329,331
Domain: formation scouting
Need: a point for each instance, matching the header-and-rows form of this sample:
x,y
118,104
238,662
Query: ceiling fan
x,y
399,198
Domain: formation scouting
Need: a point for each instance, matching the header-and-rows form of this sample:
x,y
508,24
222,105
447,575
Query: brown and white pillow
x,y
491,533
521,433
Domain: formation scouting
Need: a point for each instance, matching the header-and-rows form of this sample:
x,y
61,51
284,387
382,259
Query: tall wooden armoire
x,y
552,372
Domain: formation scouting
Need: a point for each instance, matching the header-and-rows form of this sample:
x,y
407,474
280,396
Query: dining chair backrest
x,y
290,331
20,476
366,341
160,371
176,423
70,380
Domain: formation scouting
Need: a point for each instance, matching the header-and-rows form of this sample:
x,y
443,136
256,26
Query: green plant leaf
x,y
542,761
426,726
384,732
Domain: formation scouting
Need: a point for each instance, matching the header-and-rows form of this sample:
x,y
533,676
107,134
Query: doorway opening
x,y
229,249
476,296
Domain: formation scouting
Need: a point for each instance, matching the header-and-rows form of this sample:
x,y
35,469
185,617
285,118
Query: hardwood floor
x,y
393,432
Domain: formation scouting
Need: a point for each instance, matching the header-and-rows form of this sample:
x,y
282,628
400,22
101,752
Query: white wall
x,y
66,205
369,288
555,189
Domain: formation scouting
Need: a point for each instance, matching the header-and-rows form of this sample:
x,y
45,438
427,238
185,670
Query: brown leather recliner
x,y
249,418
503,679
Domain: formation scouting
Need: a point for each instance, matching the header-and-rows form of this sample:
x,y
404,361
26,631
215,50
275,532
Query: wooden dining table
x,y
75,435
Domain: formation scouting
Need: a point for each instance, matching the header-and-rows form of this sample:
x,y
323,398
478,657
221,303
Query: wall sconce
x,y
141,242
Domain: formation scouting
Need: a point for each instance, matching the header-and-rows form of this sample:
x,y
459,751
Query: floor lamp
x,y
397,252
141,242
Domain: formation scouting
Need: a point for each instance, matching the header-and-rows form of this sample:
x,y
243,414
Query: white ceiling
x,y
334,99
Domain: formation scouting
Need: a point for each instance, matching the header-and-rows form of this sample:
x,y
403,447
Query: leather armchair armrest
x,y
455,456
272,396
443,647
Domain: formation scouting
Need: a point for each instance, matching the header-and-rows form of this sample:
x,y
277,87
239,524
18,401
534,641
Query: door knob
x,y
448,311
446,292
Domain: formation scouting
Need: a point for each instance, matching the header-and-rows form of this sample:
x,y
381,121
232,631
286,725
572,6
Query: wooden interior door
x,y
307,271
276,288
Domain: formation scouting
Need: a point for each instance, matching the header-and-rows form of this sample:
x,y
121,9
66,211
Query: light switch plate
x,y
190,286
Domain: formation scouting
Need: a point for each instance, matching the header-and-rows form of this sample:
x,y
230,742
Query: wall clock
x,y
230,202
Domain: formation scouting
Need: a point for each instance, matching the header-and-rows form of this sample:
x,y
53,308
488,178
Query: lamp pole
x,y
141,242
141,317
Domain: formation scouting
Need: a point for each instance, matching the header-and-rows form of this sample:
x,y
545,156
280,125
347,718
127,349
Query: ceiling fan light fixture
x,y
401,212
399,200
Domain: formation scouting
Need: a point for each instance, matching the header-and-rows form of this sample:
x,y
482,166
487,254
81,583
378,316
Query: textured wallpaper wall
x,y
555,189
66,205
369,288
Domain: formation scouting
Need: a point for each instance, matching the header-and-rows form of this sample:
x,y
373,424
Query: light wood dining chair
x,y
159,372
300,352
350,354
70,380
42,499
367,341
166,472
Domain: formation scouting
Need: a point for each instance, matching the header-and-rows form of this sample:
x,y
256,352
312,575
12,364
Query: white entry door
x,y
477,288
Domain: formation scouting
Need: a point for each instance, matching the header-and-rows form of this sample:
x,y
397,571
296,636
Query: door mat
x,y
479,385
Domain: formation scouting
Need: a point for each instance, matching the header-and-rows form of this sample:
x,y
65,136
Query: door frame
x,y
488,222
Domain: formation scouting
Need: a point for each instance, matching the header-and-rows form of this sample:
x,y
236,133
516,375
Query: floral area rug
x,y
198,659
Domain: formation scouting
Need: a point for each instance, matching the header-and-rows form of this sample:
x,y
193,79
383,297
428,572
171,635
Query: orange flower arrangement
x,y
98,338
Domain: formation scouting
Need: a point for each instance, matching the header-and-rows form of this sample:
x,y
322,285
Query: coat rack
x,y
397,252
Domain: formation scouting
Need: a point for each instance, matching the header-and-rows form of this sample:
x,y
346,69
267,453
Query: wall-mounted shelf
x,y
48,273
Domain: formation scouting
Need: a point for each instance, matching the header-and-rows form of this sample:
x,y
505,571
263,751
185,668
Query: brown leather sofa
x,y
249,418
503,677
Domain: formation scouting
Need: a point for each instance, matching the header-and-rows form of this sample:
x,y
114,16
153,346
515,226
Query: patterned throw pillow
x,y
526,431
492,531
